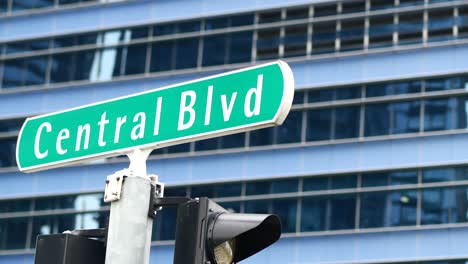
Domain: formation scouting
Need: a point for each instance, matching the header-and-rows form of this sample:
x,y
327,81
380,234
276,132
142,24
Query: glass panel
x,y
404,206
7,153
48,203
242,20
27,46
86,65
232,207
319,124
411,2
186,53
189,26
179,148
13,73
405,117
410,28
135,59
314,214
299,97
389,178
11,125
382,4
295,41
352,35
343,181
257,188
88,38
348,93
440,25
437,206
297,13
323,37
257,207
438,114
136,33
268,43
240,48
14,232
214,50
207,144
353,6
3,7
262,137
164,29
19,5
323,95
162,56
284,186
286,210
347,120
386,89
377,120
381,30
290,130
462,22
374,210
227,189
315,184
11,206
342,212
165,224
216,23
42,225
63,67
461,112
325,10
269,17
445,174
35,70
447,83
233,141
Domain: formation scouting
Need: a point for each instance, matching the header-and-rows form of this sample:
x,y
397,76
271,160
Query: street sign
x,y
223,104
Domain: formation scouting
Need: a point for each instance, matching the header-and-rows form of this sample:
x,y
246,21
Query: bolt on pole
x,y
130,228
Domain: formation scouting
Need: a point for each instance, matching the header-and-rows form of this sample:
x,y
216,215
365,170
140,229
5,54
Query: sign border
x,y
278,119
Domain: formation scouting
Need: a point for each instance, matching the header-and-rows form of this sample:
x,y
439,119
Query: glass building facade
x,y
370,166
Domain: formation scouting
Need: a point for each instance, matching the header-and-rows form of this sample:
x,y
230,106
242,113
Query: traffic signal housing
x,y
208,233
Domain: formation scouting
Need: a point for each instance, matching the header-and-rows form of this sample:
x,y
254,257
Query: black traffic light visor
x,y
252,232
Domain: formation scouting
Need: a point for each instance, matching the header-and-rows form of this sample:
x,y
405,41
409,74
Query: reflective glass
x,y
347,120
175,191
269,17
7,153
297,13
319,124
202,191
240,47
207,144
19,5
3,6
315,184
405,117
48,203
86,66
325,10
162,56
440,26
342,211
381,4
438,114
189,26
11,206
444,174
268,43
377,120
63,42
322,95
164,29
299,97
410,28
26,46
348,93
396,88
461,112
87,38
227,189
286,210
284,186
66,2
214,50
179,148
389,178
447,83
352,34
13,71
404,3
258,187
42,225
135,59
290,130
186,53
295,41
11,125
35,70
242,20
314,214
374,210
437,205
462,22
232,141
353,6
403,208
343,181
63,67
257,207
216,23
262,137
136,33
164,227
14,233
323,37
381,30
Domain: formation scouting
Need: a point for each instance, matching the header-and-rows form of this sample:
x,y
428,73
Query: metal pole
x,y
129,235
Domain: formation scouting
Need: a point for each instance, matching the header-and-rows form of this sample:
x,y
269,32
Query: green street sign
x,y
223,104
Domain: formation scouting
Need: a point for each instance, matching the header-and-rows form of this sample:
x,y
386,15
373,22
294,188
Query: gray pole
x,y
129,234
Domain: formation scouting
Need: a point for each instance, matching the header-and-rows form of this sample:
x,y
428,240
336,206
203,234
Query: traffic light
x,y
207,233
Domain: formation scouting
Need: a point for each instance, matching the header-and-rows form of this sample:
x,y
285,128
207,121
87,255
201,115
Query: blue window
x,y
447,83
268,43
352,34
63,67
319,124
216,23
389,178
461,112
347,120
23,72
295,41
242,20
271,186
27,46
440,26
325,10
386,89
175,191
286,210
232,141
214,50
162,56
382,4
14,233
315,184
445,174
377,120
207,144
323,37
240,47
269,17
411,3
438,114
299,97
257,207
187,53
373,211
3,6
7,155
179,148
164,227
135,59
381,30
342,211
462,22
343,181
297,13
10,206
19,5
405,117
410,28
322,95
11,125
164,29
437,205
290,130
314,214
403,208
345,93
227,189
42,225
188,26
262,137
353,6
